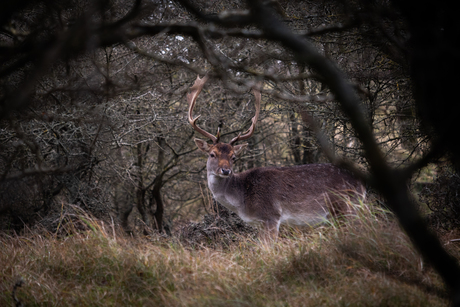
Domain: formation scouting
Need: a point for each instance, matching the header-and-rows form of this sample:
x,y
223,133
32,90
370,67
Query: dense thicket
x,y
93,113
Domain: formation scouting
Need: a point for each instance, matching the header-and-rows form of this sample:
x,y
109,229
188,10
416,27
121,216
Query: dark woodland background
x,y
93,109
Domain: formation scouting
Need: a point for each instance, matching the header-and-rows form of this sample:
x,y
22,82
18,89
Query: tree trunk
x,y
158,214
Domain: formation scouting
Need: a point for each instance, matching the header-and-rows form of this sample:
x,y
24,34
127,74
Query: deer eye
x,y
233,158
212,155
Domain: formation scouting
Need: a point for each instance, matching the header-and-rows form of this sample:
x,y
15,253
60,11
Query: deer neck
x,y
224,191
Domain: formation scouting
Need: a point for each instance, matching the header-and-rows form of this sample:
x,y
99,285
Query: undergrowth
x,y
366,261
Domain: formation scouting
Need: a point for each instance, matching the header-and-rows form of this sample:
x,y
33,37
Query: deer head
x,y
220,155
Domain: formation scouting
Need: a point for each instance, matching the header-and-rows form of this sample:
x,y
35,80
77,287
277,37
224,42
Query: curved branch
x,y
385,179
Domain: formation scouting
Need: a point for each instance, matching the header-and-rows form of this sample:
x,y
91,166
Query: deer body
x,y
257,201
270,196
275,199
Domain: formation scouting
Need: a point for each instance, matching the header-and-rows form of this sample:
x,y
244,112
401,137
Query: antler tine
x,y
191,99
247,134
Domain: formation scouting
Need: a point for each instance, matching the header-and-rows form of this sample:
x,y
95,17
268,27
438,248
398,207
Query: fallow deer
x,y
270,196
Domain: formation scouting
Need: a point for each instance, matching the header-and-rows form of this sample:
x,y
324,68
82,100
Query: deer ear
x,y
239,148
202,145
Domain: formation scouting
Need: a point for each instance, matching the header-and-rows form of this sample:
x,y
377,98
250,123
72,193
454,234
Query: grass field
x,y
365,262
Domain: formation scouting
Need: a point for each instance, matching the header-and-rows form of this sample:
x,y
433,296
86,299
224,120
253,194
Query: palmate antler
x,y
191,99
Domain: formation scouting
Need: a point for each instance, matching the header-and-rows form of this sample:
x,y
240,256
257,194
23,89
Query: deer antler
x,y
250,131
191,99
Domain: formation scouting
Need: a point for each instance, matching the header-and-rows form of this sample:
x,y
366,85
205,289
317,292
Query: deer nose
x,y
225,172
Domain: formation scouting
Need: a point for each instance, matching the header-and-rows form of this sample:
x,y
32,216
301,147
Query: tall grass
x,y
365,262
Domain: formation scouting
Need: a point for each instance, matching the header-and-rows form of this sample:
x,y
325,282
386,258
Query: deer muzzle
x,y
223,172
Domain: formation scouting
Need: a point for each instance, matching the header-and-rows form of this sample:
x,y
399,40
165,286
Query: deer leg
x,y
270,231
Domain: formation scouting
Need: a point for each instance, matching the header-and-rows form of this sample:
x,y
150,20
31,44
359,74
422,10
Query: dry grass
x,y
367,262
